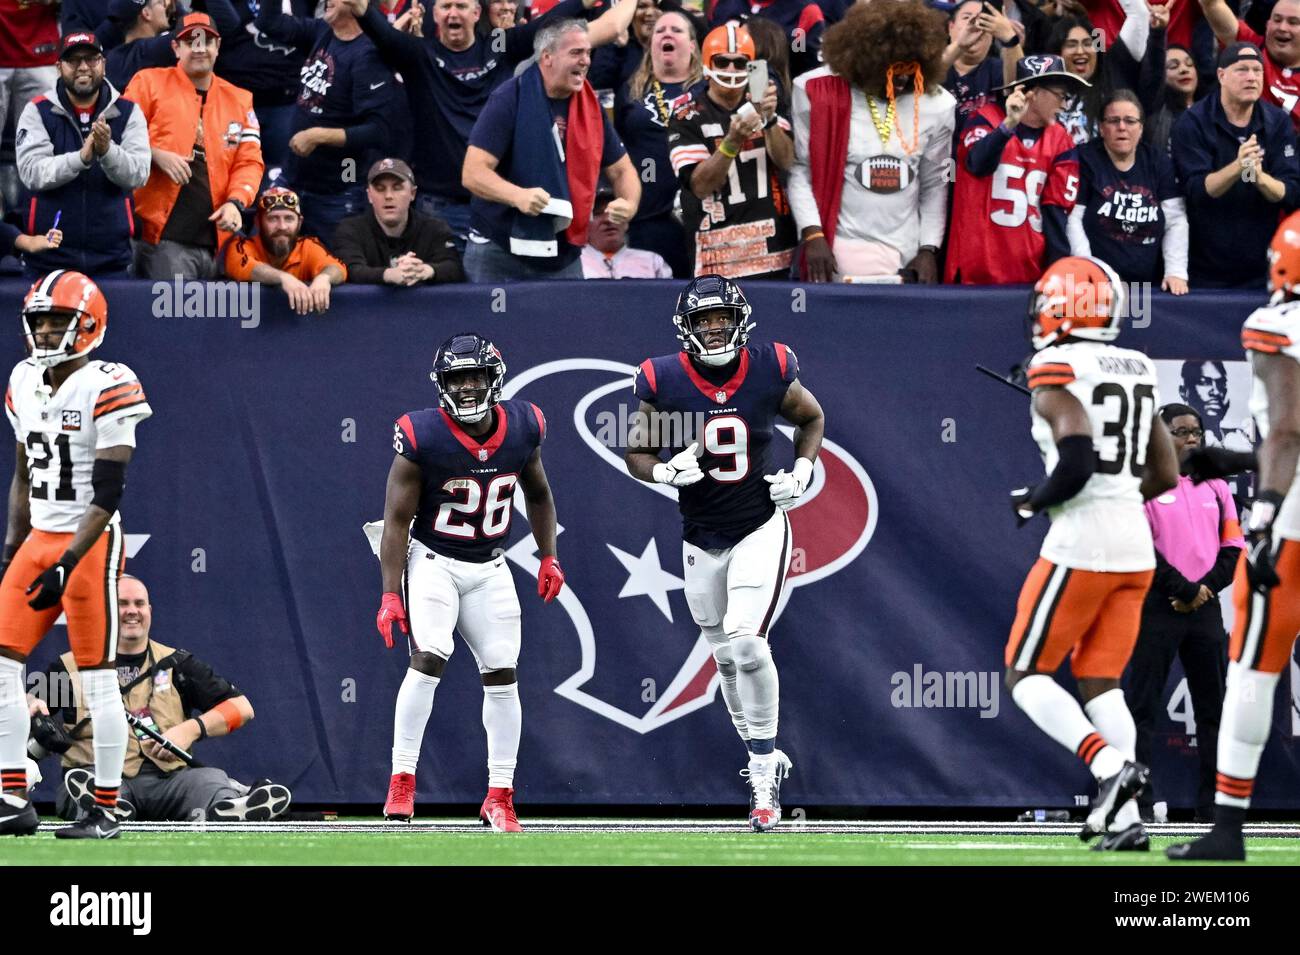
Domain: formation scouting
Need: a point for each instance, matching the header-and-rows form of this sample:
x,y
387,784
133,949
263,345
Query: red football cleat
x,y
499,811
401,797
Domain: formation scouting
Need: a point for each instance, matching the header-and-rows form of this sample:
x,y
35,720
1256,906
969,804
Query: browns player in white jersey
x,y
75,420
1106,451
1266,592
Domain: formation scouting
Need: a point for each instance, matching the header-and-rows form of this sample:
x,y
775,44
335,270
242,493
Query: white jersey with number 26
x,y
1104,526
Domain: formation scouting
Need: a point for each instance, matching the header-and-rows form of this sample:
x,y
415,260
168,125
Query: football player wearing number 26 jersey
x,y
1095,420
452,484
75,421
737,537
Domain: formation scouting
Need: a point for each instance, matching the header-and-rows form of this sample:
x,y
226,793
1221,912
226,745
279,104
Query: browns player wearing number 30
x,y
75,421
1106,450
452,484
737,536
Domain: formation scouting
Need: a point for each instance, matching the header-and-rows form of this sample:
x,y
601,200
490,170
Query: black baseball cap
x,y
1042,68
73,41
1236,52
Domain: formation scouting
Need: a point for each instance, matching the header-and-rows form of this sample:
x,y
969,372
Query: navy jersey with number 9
x,y
468,482
731,412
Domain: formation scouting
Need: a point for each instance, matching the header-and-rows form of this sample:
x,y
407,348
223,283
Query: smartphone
x,y
757,80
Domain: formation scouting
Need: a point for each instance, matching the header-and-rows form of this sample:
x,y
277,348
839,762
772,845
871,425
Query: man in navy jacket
x,y
82,150
1235,156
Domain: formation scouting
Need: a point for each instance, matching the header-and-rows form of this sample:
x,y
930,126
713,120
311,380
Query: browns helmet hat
x,y
704,294
730,39
1284,260
468,352
63,291
1078,296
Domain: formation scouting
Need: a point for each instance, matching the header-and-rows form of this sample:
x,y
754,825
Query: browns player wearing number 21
x,y
737,537
1106,450
75,421
452,484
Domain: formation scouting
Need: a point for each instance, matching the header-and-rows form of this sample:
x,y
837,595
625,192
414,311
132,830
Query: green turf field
x,y
789,846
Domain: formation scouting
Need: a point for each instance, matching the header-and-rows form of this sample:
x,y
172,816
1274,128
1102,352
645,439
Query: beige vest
x,y
156,693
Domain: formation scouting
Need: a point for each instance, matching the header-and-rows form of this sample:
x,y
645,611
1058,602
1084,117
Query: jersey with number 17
x,y
997,235
731,413
1104,527
468,482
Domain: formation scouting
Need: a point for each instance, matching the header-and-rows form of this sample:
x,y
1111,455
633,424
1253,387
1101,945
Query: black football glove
x,y
1205,464
1020,505
1260,572
51,583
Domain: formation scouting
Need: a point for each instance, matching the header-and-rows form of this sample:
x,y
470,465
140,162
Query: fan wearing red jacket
x,y
1017,180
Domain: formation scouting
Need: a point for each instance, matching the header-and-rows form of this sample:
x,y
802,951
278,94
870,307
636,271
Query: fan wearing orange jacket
x,y
207,157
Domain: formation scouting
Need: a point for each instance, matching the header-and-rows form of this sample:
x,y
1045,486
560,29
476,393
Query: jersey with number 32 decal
x,y
732,418
468,482
1104,526
96,407
997,234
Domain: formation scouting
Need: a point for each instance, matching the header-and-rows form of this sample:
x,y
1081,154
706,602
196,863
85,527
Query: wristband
x,y
203,730
770,121
727,151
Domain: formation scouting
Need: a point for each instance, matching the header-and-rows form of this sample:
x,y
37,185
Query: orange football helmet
x,y
65,291
1284,260
1078,296
730,39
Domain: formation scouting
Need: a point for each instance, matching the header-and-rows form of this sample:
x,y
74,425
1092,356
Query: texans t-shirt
x,y
1122,215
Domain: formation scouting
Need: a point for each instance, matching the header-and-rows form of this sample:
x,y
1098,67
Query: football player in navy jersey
x,y
451,483
736,548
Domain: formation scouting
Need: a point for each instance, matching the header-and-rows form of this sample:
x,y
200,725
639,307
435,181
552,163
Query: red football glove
x,y
391,612
550,579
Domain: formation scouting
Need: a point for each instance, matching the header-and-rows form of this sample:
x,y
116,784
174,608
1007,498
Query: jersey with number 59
x,y
997,235
1275,330
96,407
1104,526
468,482
733,419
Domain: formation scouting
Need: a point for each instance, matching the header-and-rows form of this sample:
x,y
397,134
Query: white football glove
x,y
788,488
681,469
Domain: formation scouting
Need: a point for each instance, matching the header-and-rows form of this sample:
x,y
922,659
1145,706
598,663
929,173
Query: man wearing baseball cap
x,y
1280,48
145,41
393,243
1018,176
207,156
1235,156
81,149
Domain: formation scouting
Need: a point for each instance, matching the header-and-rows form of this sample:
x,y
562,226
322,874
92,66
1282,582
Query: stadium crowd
x,y
408,142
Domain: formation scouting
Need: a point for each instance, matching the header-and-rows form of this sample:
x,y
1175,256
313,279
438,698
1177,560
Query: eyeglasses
x,y
1121,121
730,62
90,59
269,202
1188,432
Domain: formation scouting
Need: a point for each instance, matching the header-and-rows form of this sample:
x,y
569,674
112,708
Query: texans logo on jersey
x,y
637,657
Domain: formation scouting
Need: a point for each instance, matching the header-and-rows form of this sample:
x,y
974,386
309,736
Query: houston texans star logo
x,y
637,625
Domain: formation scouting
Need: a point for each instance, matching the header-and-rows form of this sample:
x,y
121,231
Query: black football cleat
x,y
99,823
1220,844
17,816
79,784
1112,794
1132,839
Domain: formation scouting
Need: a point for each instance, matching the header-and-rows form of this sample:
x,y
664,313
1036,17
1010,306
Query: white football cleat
x,y
765,774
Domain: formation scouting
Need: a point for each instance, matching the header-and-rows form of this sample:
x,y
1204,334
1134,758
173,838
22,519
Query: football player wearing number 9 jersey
x,y
737,537
446,516
75,421
1106,451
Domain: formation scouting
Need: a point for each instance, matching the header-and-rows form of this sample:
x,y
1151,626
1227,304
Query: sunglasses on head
x,y
279,200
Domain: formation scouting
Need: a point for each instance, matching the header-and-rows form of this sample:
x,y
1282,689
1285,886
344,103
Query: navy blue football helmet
x,y
703,294
468,352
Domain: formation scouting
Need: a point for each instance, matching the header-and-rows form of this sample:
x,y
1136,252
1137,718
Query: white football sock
x,y
758,686
1243,729
1058,714
14,722
731,690
414,704
1110,714
503,719
108,723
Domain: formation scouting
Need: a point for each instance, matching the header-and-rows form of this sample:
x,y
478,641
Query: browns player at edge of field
x,y
75,421
452,484
737,544
1106,450
1266,591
